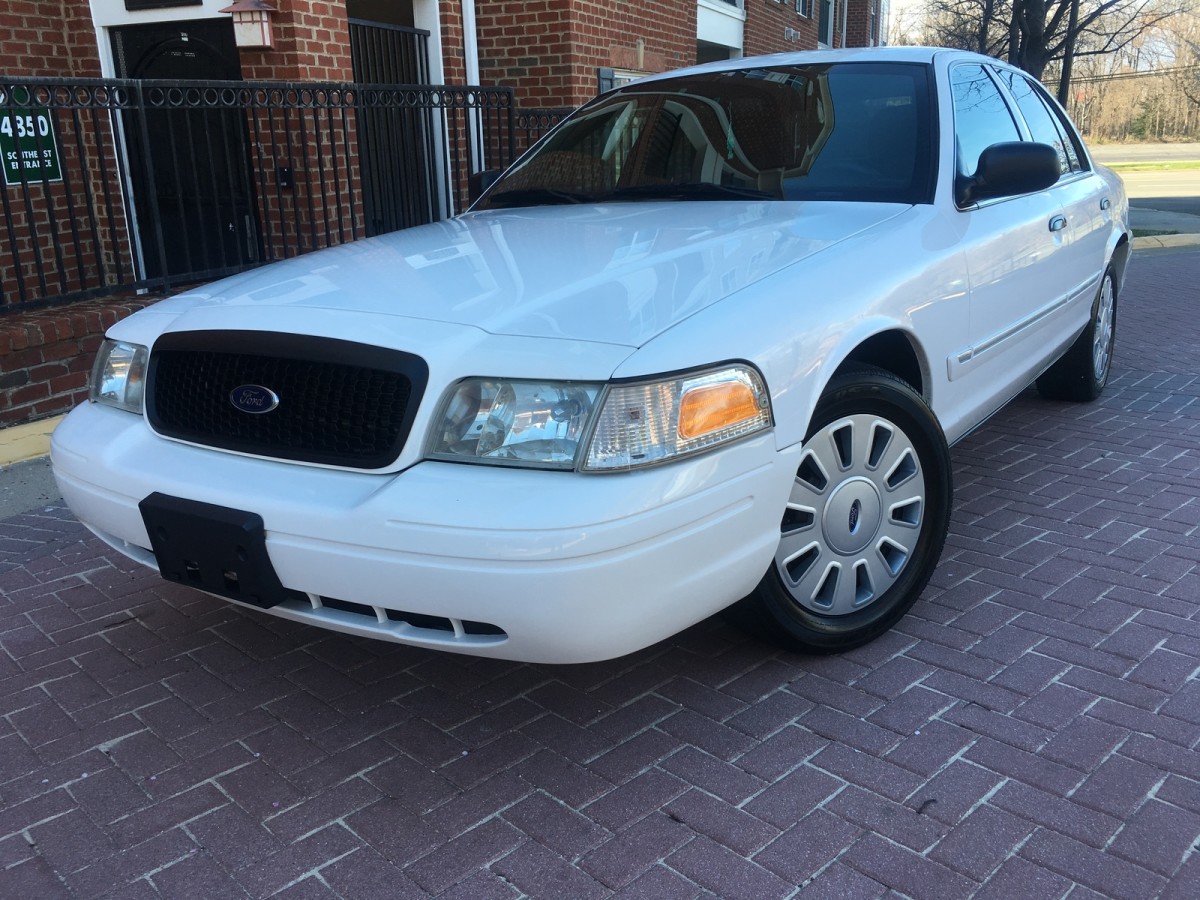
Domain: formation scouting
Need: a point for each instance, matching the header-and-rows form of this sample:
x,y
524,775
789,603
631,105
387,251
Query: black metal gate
x,y
67,226
397,162
388,54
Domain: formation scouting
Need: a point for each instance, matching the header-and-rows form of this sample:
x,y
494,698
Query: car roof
x,y
924,55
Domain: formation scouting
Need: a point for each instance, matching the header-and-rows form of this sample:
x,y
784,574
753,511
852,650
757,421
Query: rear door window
x,y
1043,123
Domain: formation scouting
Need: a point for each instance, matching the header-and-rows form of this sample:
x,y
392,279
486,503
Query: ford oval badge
x,y
253,398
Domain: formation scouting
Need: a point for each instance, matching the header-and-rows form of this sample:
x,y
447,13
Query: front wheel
x,y
865,521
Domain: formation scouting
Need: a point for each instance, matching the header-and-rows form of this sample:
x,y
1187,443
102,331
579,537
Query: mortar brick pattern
x,y
45,357
152,738
48,38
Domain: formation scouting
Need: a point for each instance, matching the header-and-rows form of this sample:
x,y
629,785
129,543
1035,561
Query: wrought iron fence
x,y
119,184
532,124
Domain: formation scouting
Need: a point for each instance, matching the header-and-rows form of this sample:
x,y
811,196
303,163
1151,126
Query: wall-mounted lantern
x,y
251,23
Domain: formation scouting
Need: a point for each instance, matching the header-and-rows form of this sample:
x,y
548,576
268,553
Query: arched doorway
x,y
193,194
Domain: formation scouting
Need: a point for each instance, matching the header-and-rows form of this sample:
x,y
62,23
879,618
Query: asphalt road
x,y
1176,191
1108,153
1172,192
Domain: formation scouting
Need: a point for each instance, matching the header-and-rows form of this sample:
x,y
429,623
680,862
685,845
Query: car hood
x,y
618,274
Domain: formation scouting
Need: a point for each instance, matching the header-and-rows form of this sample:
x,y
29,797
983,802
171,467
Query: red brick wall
x,y
75,226
858,23
768,25
312,43
549,50
45,357
454,64
56,38
48,37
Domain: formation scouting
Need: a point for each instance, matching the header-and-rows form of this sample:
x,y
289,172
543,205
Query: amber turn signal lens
x,y
711,407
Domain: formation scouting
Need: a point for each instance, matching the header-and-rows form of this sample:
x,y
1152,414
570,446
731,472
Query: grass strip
x,y
1177,165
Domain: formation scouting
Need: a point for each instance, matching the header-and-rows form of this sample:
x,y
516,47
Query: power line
x,y
1122,76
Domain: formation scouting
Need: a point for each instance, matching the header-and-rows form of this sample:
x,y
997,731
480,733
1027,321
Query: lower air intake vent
x,y
417,620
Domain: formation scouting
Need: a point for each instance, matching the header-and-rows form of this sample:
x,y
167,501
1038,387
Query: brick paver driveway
x,y
1029,731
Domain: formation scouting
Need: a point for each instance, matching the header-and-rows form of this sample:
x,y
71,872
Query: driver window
x,y
981,117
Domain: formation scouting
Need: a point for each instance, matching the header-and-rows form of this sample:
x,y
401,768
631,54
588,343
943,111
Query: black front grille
x,y
340,403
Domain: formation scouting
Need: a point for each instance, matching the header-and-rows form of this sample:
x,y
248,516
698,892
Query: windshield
x,y
850,131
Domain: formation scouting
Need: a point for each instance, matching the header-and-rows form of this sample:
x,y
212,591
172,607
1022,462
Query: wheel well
x,y
1120,257
893,352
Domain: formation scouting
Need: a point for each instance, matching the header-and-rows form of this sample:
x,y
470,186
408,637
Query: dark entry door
x,y
189,158
396,136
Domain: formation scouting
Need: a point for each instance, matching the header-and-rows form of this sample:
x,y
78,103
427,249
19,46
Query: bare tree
x,y
1183,50
1149,90
979,25
1033,34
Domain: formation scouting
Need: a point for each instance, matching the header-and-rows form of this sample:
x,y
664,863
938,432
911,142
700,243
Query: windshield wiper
x,y
688,191
534,196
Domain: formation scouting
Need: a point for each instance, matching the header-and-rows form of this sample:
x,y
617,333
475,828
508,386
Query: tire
x,y
1081,373
865,523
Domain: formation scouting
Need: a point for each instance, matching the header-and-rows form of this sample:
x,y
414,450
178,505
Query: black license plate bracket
x,y
213,548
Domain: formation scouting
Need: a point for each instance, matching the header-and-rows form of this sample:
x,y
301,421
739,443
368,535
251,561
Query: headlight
x,y
651,422
565,425
118,377
516,423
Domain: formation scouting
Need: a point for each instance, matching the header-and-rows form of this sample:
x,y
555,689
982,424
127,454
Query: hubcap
x,y
854,515
1102,334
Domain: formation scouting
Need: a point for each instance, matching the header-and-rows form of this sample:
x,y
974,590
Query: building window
x,y
804,8
607,79
825,26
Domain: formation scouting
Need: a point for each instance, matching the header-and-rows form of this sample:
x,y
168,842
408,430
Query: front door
x,y
189,165
1015,253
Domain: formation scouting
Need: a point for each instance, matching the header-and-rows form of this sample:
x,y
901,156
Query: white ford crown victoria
x,y
707,344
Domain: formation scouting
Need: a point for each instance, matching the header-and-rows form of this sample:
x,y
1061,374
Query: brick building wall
x,y
48,37
454,63
773,27
43,363
859,23
549,50
312,43
45,357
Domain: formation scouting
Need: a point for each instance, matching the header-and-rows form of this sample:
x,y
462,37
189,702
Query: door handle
x,y
1105,203
1058,223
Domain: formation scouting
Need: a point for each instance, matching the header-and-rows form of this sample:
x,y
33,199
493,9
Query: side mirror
x,y
1005,170
479,182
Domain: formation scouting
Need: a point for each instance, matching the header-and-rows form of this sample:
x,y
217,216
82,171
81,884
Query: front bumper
x,y
570,567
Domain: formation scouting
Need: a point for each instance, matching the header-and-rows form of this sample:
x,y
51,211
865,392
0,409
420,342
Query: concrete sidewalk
x,y
1185,226
1030,730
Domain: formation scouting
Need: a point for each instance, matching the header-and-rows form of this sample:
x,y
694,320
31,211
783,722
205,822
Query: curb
x,y
19,443
1166,240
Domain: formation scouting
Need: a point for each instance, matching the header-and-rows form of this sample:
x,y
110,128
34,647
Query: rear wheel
x,y
865,521
1082,372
